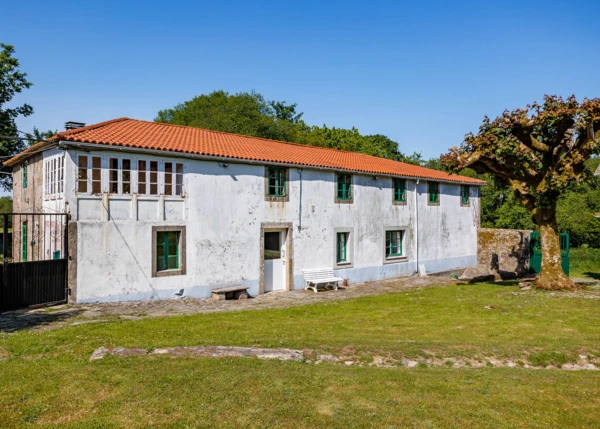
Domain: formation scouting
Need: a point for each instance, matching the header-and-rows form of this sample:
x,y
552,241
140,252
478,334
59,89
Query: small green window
x,y
24,172
167,250
434,192
344,187
399,190
393,244
342,247
24,240
464,195
276,186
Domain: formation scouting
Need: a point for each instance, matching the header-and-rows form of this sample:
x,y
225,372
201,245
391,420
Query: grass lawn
x,y
585,263
46,378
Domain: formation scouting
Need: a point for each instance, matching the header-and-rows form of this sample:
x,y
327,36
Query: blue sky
x,y
423,73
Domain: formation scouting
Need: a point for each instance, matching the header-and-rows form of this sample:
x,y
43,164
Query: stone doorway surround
x,y
289,256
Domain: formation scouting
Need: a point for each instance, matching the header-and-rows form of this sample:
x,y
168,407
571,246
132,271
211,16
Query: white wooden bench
x,y
317,276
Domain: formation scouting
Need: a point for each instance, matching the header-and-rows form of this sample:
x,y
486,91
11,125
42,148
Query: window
x,y
342,247
344,187
465,195
433,189
168,251
276,184
83,176
173,178
126,176
393,244
113,175
54,176
24,240
399,189
24,173
96,175
153,177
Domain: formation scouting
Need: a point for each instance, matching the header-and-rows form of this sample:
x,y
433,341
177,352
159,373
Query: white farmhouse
x,y
161,211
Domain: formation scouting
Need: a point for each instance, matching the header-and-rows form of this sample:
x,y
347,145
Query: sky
x,y
424,73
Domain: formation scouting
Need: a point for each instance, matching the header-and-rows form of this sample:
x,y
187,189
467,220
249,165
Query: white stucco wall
x,y
223,209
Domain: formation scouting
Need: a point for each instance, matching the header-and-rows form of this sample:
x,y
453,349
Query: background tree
x,y
541,152
12,81
249,113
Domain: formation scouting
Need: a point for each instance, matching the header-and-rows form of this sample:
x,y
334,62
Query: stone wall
x,y
503,250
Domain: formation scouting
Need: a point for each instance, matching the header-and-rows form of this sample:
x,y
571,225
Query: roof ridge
x,y
87,128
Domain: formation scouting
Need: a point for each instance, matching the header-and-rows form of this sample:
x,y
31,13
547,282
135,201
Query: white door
x,y
275,260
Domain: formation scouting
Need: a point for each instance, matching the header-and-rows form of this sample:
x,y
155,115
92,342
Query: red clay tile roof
x,y
125,132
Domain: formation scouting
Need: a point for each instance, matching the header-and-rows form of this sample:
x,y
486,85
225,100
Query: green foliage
x,y
12,82
585,262
248,113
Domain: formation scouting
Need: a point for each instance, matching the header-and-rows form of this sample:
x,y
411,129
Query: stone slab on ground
x,y
203,351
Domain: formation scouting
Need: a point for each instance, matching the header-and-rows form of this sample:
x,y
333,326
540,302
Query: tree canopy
x,y
541,152
12,82
249,113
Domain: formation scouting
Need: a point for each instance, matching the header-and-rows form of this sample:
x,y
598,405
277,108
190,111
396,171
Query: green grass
x,y
585,263
47,379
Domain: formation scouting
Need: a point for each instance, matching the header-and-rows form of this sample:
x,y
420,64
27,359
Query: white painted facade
x,y
223,208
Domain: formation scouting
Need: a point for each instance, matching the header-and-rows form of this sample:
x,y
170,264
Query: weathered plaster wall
x,y
503,250
223,211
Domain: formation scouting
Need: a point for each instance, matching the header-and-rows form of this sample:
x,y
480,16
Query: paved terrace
x,y
64,315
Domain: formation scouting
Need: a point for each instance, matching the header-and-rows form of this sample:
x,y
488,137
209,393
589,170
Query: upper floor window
x,y
147,177
399,189
173,178
276,183
433,191
465,192
54,176
119,176
344,187
89,174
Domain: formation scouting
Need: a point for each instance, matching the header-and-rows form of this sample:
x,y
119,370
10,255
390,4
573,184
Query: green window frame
x,y
24,240
433,189
393,243
465,195
167,250
24,172
344,187
342,247
399,186
276,183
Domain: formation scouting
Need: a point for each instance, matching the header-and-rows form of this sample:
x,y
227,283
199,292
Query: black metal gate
x,y
35,251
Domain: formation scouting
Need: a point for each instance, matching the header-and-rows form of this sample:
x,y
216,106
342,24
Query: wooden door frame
x,y
288,227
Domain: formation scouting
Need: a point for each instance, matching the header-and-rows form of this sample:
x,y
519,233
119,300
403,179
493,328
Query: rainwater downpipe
x,y
300,202
417,224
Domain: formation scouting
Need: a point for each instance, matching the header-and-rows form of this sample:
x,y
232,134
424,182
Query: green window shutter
x,y
400,190
276,183
434,193
24,171
167,250
464,193
344,187
393,244
24,240
342,247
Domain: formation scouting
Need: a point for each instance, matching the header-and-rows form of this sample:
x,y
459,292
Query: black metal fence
x,y
35,251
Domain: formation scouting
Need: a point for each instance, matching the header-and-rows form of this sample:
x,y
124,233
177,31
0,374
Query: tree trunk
x,y
552,276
